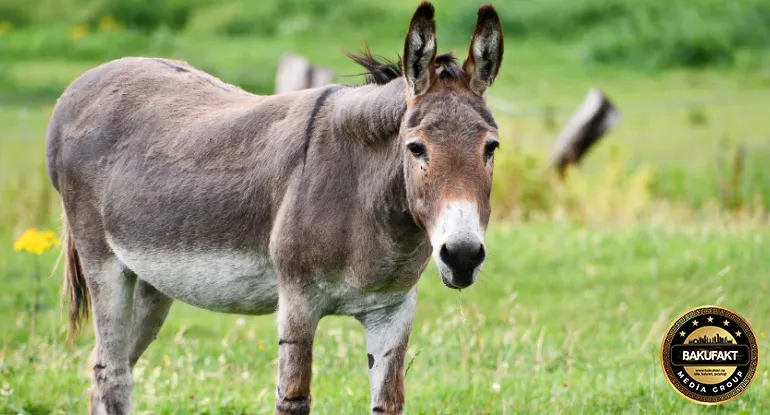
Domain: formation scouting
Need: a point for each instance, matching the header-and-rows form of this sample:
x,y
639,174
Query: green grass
x,y
566,319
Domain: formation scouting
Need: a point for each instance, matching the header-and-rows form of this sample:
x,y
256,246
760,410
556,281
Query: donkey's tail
x,y
74,288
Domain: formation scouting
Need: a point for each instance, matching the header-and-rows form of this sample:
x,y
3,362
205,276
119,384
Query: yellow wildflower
x,y
35,241
261,346
5,27
167,358
108,24
78,32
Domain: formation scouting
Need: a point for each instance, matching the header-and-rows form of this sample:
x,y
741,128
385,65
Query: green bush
x,y
646,34
272,17
144,14
236,18
15,12
640,33
57,42
734,188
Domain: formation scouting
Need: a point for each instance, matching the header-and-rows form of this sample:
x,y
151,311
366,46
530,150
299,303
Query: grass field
x,y
565,319
582,277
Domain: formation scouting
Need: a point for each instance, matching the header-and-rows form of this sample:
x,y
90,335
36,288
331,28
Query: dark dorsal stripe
x,y
171,65
310,129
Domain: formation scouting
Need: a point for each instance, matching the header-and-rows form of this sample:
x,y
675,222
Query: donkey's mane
x,y
381,70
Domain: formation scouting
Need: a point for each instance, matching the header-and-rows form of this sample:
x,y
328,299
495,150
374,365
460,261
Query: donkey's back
x,y
157,106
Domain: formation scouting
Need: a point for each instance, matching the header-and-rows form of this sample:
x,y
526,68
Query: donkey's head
x,y
449,138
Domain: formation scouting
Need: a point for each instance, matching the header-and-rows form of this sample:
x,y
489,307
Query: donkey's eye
x,y
417,149
489,149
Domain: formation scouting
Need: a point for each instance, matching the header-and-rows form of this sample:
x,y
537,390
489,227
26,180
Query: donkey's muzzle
x,y
463,259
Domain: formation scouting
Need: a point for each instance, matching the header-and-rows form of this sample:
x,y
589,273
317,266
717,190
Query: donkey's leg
x,y
150,311
297,322
112,287
387,334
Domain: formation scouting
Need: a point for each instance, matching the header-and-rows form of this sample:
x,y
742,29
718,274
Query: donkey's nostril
x,y
444,253
481,254
463,255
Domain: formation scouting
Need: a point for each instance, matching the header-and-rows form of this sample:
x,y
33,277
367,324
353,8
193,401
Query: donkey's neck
x,y
383,193
371,113
369,118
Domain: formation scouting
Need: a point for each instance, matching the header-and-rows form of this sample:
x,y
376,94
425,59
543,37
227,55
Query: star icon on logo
x,y
726,323
710,319
695,323
738,333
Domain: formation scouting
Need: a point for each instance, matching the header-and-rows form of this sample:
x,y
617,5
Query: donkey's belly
x,y
227,282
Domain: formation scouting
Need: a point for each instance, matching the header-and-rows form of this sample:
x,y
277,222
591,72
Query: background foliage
x,y
640,34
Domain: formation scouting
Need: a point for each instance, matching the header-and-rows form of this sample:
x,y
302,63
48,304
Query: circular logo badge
x,y
710,355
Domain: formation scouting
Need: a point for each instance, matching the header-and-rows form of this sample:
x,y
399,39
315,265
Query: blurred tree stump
x,y
296,73
595,116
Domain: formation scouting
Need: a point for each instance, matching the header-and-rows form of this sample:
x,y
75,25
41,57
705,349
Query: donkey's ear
x,y
486,51
420,50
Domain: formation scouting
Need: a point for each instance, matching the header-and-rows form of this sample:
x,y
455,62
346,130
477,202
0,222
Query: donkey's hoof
x,y
293,406
388,410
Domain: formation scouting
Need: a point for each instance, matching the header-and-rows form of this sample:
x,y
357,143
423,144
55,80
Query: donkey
x,y
328,201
